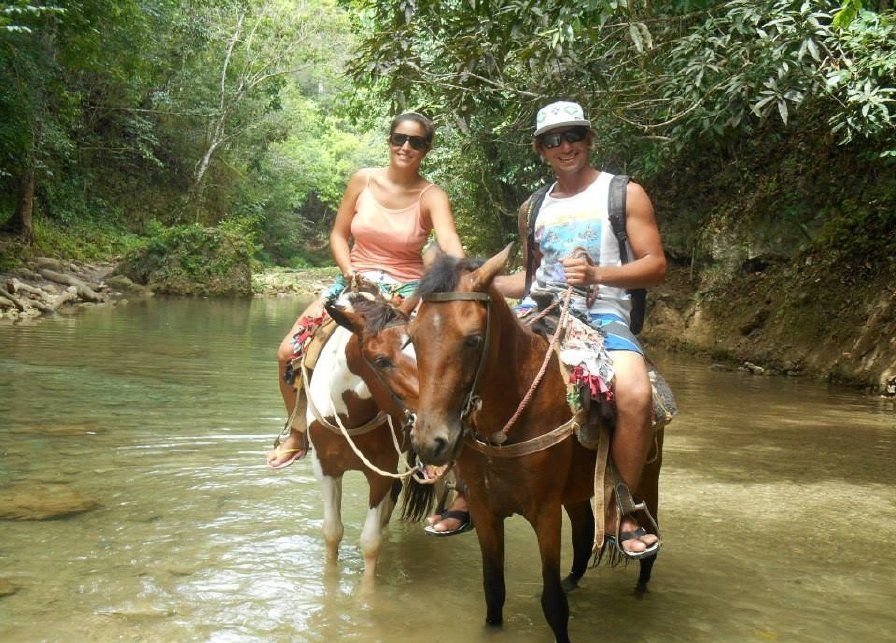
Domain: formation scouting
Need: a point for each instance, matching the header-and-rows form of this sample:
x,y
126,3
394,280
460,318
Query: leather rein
x,y
494,447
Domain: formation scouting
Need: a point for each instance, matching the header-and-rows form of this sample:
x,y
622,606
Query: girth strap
x,y
376,422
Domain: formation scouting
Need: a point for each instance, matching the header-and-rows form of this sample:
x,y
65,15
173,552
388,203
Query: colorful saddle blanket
x,y
591,376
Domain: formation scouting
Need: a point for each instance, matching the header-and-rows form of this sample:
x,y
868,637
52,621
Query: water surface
x,y
777,504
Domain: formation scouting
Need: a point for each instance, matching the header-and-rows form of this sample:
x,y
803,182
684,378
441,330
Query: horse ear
x,y
346,318
432,251
481,278
408,305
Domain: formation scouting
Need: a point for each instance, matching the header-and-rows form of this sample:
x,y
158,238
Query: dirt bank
x,y
790,320
46,286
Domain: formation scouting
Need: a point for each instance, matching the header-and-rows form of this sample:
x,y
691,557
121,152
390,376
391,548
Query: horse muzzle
x,y
436,443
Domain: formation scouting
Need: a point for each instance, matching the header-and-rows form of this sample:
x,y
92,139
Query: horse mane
x,y
378,314
444,273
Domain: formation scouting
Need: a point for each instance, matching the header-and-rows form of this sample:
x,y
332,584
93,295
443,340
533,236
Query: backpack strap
x,y
534,205
616,211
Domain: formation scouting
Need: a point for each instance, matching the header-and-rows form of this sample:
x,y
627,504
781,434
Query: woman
x,y
389,213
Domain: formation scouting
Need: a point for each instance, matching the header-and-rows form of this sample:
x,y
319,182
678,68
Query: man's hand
x,y
579,272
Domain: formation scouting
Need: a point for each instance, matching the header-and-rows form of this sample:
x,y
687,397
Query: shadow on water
x,y
776,499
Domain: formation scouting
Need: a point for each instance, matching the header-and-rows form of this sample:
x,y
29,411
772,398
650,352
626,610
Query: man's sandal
x,y
626,506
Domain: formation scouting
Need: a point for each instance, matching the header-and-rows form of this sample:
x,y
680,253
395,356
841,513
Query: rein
x,y
494,446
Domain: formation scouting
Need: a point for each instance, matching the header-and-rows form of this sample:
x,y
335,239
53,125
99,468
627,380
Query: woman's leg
x,y
295,445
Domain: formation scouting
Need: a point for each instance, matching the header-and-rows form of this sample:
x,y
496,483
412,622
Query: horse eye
x,y
473,341
383,362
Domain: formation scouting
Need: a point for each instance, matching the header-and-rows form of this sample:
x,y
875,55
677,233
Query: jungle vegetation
x,y
763,128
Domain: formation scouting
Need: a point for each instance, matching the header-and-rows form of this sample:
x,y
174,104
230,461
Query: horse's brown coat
x,y
536,485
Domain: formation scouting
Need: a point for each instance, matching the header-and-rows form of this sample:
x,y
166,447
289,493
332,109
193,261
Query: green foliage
x,y
177,111
661,81
864,80
84,240
15,16
191,260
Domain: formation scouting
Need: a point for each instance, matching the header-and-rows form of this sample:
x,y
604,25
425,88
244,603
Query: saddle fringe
x,y
418,500
611,553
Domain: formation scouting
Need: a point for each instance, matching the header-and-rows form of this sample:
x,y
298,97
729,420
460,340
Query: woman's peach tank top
x,y
386,239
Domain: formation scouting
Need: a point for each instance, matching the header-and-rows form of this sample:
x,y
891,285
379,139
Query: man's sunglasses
x,y
417,142
550,141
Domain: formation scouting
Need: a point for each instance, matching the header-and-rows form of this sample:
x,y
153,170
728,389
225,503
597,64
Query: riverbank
x,y
46,285
782,320
763,322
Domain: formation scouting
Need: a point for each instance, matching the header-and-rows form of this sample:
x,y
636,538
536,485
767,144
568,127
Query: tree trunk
x,y
22,221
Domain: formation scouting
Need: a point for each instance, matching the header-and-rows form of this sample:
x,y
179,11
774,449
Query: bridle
x,y
409,416
473,402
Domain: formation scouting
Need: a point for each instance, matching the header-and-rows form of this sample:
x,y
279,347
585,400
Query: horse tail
x,y
418,500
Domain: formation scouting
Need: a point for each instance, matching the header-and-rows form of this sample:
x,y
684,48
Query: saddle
x,y
317,343
601,409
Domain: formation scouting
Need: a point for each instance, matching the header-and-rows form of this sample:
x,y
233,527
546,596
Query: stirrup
x,y
287,426
626,506
284,433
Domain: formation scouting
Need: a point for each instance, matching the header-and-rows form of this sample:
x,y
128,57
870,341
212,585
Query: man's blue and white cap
x,y
560,114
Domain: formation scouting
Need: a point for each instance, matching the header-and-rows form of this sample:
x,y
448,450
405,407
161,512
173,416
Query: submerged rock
x,y
42,502
7,588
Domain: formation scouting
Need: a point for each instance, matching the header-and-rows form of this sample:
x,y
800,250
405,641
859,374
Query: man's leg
x,y
632,436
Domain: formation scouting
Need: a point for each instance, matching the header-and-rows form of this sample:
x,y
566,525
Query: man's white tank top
x,y
580,221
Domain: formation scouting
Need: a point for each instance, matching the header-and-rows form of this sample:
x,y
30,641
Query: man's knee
x,y
635,397
634,394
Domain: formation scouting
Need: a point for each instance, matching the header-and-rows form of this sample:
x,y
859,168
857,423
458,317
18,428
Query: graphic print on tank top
x,y
579,221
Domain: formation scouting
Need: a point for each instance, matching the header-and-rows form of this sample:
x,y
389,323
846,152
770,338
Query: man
x,y
573,215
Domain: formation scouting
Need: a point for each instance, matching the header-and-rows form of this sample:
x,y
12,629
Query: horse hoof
x,y
494,622
640,590
569,583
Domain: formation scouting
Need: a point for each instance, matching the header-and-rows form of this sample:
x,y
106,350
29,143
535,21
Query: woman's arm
x,y
436,207
342,226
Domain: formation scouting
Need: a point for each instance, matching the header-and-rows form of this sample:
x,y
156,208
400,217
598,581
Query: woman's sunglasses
x,y
550,141
417,142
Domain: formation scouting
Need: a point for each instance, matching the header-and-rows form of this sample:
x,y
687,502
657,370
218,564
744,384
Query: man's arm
x,y
648,264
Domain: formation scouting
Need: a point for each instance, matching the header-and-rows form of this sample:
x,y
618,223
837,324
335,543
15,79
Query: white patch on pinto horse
x,y
331,495
372,533
332,379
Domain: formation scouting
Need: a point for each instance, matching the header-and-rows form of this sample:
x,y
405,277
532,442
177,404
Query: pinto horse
x,y
352,386
475,364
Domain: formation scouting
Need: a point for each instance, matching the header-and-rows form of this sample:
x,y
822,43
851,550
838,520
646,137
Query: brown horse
x,y
476,363
353,385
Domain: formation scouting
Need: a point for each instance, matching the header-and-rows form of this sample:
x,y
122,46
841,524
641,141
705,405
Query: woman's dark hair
x,y
428,128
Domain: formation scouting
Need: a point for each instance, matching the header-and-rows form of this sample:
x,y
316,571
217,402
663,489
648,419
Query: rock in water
x,y
42,502
7,588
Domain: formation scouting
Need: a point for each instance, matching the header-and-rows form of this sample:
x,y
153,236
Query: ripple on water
x,y
776,501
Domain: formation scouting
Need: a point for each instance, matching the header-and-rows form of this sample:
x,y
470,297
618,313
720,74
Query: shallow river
x,y
777,502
